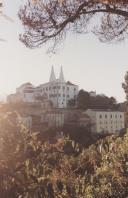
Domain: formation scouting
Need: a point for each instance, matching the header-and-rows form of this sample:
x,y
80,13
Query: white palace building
x,y
58,91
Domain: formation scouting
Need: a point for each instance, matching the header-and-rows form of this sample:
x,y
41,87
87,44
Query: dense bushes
x,y
84,101
32,169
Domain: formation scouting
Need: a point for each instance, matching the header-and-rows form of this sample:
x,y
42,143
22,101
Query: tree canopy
x,y
51,20
85,101
125,85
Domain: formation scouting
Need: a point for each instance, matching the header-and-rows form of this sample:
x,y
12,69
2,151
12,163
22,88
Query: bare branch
x,y
51,20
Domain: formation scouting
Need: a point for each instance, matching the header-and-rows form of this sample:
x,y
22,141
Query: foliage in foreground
x,y
32,169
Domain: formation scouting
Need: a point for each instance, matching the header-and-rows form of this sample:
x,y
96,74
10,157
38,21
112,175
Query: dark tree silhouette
x,y
125,85
83,100
51,20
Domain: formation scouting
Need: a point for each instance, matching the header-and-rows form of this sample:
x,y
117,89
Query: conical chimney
x,y
61,77
52,76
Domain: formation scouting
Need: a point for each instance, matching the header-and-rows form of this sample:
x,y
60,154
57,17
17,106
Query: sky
x,y
87,62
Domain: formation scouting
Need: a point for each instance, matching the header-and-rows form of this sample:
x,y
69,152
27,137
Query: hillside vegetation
x,y
32,168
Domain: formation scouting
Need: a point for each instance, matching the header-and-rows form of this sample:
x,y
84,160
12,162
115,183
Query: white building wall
x,y
107,121
26,92
28,97
53,119
59,93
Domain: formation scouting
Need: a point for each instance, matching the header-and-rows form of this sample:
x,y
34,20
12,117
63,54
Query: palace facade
x,y
57,91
